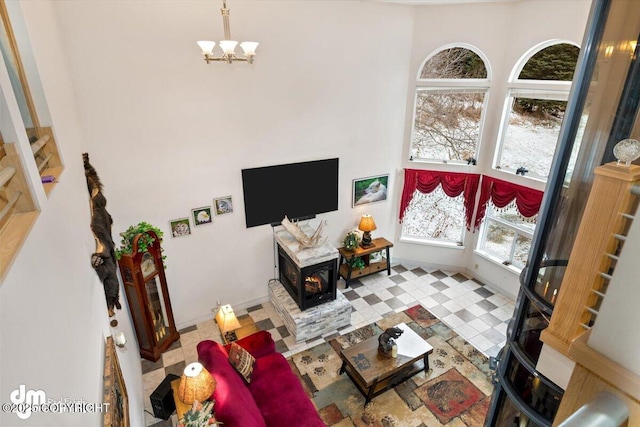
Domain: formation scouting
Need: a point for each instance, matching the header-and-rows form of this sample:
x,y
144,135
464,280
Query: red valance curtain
x,y
453,184
501,193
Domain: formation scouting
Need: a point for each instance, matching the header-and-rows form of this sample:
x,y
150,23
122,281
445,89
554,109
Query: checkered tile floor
x,y
470,308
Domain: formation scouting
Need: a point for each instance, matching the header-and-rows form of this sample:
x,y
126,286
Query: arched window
x,y
538,93
450,97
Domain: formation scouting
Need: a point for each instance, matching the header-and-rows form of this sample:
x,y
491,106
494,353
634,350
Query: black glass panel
x,y
532,390
510,416
531,325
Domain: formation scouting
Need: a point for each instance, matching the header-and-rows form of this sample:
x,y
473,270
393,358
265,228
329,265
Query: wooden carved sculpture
x,y
103,259
304,240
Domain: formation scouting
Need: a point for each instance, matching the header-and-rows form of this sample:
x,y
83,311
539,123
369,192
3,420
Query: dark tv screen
x,y
297,190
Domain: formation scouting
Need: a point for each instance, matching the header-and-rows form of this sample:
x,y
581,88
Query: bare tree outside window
x,y
454,63
447,125
447,120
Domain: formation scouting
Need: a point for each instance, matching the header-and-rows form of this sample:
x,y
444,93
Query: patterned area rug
x,y
455,392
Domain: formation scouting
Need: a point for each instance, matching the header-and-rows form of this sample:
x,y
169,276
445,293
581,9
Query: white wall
x,y
53,316
168,133
504,33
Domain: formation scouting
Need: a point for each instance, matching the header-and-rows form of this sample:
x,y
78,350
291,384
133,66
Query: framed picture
x,y
223,205
115,391
180,227
372,189
202,215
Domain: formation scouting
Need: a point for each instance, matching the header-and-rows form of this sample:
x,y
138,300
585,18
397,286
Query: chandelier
x,y
227,45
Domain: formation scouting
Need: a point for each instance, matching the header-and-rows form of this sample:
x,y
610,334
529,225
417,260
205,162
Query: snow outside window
x,y
505,235
435,216
448,110
534,111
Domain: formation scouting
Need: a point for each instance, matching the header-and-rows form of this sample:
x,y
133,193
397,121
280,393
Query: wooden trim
x,y
4,14
556,343
20,217
18,182
583,387
593,374
13,236
607,369
609,197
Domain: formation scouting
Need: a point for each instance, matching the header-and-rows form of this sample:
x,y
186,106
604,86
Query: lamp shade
x,y
367,223
196,384
228,46
249,48
226,319
206,46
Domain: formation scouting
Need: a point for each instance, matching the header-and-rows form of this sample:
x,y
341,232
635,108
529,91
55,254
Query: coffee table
x,y
374,374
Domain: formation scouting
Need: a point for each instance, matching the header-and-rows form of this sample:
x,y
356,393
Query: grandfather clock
x,y
146,287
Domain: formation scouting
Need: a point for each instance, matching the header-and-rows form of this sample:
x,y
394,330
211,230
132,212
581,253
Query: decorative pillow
x,y
242,361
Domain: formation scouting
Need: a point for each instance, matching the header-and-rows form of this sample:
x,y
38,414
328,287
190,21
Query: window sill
x,y
456,163
430,242
495,260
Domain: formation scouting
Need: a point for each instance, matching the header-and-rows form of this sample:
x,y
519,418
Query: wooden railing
x,y
45,153
608,213
17,209
610,210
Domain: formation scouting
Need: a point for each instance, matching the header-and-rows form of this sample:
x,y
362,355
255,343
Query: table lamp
x,y
196,384
367,225
227,322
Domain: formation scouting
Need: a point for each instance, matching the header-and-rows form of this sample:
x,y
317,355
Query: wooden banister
x,y
603,218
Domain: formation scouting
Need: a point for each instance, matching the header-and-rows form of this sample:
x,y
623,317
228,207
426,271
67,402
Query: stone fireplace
x,y
306,295
310,275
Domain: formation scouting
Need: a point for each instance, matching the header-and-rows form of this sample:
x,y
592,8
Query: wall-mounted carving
x,y
103,259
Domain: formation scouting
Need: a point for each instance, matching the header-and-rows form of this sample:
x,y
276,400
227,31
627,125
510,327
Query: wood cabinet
x,y
370,264
146,287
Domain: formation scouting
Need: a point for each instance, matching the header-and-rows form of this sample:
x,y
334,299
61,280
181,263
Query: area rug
x,y
455,392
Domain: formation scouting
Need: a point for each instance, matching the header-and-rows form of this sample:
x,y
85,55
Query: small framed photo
x,y
372,189
223,205
180,227
202,215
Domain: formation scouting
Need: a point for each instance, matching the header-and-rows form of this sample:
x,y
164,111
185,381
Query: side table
x,y
181,407
347,259
247,327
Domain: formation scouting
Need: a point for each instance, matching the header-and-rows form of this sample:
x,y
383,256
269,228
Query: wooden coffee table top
x,y
367,363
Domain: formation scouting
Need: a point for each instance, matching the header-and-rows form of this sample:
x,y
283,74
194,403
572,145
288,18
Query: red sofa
x,y
274,398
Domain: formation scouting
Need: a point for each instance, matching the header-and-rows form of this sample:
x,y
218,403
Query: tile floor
x,y
469,307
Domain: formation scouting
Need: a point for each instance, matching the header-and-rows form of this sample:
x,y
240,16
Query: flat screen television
x,y
297,190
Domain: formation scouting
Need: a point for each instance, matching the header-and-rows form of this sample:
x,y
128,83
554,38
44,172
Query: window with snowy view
x,y
449,100
435,216
506,235
535,110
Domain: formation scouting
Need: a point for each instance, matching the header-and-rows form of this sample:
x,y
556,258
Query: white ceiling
x,y
433,2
